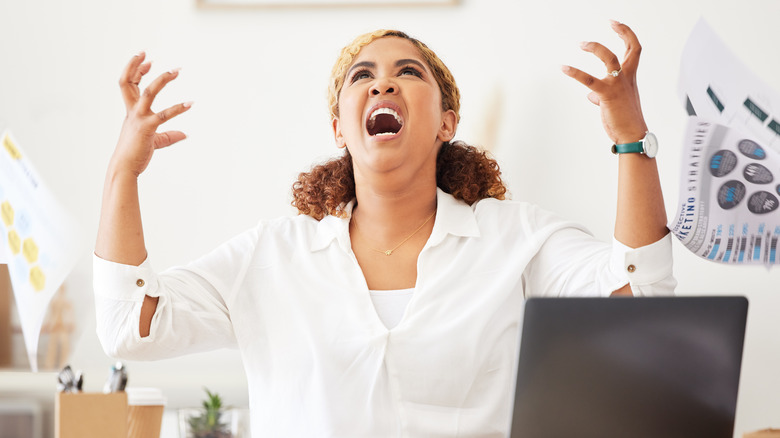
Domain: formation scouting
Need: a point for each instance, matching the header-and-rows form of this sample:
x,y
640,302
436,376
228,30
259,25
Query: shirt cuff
x,y
123,282
644,265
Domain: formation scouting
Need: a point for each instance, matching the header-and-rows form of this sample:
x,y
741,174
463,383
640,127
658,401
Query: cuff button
x,y
630,268
140,283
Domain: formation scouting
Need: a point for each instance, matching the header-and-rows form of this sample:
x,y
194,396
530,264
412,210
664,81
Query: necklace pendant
x,y
389,252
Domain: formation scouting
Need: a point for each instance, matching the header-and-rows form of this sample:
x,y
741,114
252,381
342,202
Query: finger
x,y
633,48
173,111
131,76
583,78
165,139
606,56
129,71
145,102
594,98
132,91
142,70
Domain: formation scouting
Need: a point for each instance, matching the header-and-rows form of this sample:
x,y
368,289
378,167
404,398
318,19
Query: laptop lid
x,y
629,367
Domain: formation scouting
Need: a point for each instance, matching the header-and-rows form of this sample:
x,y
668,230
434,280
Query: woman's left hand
x,y
616,94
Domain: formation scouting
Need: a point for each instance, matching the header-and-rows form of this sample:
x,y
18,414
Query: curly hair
x,y
464,171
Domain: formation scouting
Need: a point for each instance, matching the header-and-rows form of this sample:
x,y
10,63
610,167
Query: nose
x,y
383,86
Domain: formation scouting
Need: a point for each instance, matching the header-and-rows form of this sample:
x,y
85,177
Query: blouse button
x,y
139,283
630,268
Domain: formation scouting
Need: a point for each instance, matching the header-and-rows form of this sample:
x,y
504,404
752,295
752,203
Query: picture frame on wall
x,y
324,3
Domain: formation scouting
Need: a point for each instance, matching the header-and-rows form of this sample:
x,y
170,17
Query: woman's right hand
x,y
139,137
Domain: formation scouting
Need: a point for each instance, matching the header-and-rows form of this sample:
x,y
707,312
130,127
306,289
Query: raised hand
x,y
120,233
616,94
139,137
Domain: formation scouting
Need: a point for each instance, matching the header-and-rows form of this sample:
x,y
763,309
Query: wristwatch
x,y
647,146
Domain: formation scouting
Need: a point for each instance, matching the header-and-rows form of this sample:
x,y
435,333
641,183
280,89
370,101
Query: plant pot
x,y
231,423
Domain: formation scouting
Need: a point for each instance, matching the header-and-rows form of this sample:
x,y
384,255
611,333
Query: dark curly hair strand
x,y
464,171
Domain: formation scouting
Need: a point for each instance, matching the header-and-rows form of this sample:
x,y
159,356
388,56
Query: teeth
x,y
387,111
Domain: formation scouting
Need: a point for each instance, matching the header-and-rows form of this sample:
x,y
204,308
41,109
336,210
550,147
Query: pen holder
x,y
144,412
90,415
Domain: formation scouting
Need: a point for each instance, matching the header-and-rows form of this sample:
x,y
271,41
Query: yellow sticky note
x,y
37,278
30,250
14,242
7,213
11,148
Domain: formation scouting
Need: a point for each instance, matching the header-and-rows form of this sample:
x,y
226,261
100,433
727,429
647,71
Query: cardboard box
x,y
766,433
90,415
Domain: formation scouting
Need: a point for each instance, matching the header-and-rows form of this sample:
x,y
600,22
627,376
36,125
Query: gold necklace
x,y
389,252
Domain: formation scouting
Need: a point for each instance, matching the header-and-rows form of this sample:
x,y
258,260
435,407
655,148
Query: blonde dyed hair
x,y
450,95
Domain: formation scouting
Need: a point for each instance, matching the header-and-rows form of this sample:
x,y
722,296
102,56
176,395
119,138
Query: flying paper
x,y
729,206
39,241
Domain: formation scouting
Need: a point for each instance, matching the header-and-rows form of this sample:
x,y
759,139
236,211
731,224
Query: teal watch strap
x,y
628,148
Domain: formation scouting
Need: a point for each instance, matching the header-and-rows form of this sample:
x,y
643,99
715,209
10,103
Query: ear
x,y
449,124
337,134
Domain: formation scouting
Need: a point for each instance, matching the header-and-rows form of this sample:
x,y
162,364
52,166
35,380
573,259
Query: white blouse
x,y
320,362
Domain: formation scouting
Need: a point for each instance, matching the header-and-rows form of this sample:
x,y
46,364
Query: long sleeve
x,y
192,314
573,263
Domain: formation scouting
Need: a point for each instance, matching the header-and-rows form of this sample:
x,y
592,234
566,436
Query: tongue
x,y
383,123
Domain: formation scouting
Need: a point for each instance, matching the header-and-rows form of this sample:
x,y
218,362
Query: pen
x,y
117,380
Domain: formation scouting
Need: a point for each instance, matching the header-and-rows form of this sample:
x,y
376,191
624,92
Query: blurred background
x,y
258,77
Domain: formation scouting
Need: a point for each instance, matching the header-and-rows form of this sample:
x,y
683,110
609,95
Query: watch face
x,y
650,145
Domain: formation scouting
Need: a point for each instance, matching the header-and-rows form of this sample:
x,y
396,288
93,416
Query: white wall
x,y
258,78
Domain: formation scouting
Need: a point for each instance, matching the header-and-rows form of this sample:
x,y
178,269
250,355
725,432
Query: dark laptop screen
x,y
629,367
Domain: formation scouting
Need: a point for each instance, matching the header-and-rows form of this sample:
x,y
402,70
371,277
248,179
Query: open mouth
x,y
384,121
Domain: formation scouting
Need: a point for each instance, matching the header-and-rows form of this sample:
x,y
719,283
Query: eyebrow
x,y
399,63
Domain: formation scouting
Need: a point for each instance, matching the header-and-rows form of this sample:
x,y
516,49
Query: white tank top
x,y
390,305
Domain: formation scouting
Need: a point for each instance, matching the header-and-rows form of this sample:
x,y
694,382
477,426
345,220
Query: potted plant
x,y
212,420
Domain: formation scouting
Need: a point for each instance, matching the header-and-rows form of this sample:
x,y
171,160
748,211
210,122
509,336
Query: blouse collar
x,y
452,217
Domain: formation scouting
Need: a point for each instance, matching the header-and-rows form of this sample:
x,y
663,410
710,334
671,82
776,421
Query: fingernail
x,y
141,53
565,68
614,22
174,71
584,44
187,104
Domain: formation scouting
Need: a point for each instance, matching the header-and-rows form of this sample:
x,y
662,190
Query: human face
x,y
390,111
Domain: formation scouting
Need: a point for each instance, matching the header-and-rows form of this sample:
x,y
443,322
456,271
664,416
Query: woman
x,y
391,305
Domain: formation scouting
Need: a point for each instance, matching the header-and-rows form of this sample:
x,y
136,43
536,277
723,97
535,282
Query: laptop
x,y
660,367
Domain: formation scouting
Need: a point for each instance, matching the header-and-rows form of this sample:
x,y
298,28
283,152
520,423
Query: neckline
x,y
392,291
